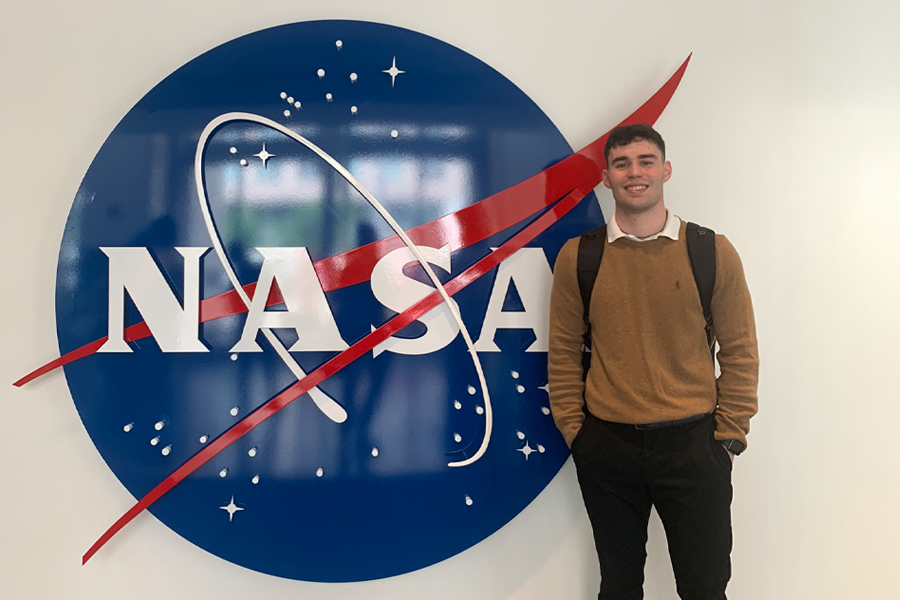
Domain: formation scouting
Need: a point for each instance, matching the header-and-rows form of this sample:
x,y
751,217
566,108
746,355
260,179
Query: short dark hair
x,y
626,134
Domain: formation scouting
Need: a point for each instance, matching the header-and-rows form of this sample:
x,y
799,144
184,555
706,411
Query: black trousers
x,y
682,471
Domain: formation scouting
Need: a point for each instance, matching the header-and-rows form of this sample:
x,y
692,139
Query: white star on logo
x,y
526,450
264,156
393,71
231,508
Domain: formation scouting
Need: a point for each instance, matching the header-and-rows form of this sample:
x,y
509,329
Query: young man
x,y
651,424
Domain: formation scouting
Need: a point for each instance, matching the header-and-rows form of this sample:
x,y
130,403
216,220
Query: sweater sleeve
x,y
738,354
566,336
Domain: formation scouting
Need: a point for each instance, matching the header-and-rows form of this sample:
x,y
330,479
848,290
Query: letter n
x,y
175,328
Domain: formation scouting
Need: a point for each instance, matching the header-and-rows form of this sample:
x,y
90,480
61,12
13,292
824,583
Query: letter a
x,y
530,271
307,309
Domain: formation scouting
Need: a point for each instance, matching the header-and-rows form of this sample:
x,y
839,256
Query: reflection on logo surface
x,y
414,450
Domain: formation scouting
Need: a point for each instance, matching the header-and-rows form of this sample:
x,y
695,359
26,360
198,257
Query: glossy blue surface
x,y
373,496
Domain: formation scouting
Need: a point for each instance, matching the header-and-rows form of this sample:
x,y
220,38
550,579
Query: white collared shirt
x,y
669,230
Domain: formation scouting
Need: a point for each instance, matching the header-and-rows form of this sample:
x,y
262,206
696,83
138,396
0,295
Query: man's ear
x,y
606,179
667,171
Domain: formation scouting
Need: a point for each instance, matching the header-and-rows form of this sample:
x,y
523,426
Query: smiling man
x,y
649,422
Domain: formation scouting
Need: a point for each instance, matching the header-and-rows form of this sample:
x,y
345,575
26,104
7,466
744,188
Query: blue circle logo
x,y
307,278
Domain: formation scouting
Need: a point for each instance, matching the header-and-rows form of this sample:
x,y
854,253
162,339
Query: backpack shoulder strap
x,y
701,245
590,253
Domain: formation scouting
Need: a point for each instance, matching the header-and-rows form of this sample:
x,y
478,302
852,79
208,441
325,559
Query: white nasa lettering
x,y
307,309
398,292
175,329
530,271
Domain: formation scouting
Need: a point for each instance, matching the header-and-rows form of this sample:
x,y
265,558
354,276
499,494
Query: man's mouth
x,y
635,188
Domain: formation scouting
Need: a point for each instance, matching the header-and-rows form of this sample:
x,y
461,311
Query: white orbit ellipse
x,y
325,403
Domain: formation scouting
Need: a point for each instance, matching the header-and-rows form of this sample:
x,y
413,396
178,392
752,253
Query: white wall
x,y
783,135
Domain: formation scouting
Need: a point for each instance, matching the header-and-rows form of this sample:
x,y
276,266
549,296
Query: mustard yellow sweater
x,y
650,360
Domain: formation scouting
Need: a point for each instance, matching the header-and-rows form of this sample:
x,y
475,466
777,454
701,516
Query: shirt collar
x,y
669,230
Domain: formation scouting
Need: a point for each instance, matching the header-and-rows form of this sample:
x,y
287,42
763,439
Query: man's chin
x,y
633,208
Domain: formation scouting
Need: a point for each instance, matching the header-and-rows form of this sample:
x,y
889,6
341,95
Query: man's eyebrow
x,y
620,159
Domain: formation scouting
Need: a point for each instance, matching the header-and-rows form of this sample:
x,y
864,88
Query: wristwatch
x,y
733,446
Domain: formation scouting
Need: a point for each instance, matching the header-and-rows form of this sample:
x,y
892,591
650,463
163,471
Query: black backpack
x,y
701,245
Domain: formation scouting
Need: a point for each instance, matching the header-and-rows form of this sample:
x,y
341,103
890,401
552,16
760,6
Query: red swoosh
x,y
258,416
648,112
463,228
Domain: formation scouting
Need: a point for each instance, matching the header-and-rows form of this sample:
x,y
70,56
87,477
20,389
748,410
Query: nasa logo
x,y
287,216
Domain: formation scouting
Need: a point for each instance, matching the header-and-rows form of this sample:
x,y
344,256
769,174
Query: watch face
x,y
734,446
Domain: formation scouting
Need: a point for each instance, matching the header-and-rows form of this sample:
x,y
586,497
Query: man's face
x,y
635,175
